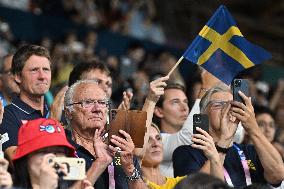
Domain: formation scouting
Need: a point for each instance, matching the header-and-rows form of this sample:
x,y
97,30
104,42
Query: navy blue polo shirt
x,y
103,181
12,119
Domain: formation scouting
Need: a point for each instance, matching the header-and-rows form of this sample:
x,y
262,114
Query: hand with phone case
x,y
240,85
244,112
201,121
201,138
125,149
70,168
48,177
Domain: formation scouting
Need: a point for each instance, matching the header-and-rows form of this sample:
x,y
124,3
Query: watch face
x,y
135,175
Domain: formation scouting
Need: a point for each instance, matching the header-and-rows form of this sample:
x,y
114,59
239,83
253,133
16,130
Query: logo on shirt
x,y
251,165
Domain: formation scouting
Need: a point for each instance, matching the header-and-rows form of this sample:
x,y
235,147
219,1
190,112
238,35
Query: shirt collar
x,y
21,105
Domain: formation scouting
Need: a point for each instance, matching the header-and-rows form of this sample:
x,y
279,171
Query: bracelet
x,y
135,175
222,150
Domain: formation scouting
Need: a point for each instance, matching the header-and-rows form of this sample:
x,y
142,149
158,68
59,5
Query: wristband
x,y
222,150
135,175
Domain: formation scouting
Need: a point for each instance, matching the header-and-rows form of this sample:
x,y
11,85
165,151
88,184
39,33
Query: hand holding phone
x,y
201,121
240,85
76,167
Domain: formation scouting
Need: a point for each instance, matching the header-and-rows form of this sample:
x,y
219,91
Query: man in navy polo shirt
x,y
31,69
243,164
86,106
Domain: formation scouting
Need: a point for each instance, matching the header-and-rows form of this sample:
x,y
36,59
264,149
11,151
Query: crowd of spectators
x,y
131,73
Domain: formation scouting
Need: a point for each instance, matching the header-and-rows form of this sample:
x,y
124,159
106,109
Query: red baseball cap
x,y
41,133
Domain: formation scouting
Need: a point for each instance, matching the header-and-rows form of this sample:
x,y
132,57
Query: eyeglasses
x,y
90,103
217,104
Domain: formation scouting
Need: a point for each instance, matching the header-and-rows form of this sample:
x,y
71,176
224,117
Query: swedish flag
x,y
221,48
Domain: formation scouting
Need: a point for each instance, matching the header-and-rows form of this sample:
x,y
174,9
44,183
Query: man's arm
x,y
9,131
228,128
126,146
269,157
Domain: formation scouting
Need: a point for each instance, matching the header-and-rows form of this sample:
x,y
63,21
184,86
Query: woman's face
x,y
267,125
35,159
218,101
154,151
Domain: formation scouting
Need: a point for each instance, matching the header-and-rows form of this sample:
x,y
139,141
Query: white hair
x,y
68,98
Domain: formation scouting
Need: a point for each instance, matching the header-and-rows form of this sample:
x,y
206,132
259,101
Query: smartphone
x,y
76,167
240,85
201,121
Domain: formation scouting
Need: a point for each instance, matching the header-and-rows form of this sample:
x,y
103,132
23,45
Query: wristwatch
x,y
222,150
135,175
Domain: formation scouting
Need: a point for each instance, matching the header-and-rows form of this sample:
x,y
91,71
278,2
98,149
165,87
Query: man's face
x,y
35,77
92,117
267,125
218,102
175,109
9,84
104,81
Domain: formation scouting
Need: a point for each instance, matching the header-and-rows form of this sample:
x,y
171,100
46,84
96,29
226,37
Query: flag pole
x,y
176,65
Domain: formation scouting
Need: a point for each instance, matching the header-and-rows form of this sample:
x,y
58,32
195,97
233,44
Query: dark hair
x,y
263,110
201,181
83,67
21,177
24,53
170,86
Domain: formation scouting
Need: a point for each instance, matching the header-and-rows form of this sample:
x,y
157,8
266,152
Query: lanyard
x,y
244,165
111,181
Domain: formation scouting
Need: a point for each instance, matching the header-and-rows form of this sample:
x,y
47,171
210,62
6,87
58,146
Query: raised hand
x,y
156,88
245,113
103,156
57,105
204,142
125,148
126,101
48,177
228,126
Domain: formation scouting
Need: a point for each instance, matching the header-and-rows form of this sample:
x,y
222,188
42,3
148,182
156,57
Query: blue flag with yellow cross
x,y
221,48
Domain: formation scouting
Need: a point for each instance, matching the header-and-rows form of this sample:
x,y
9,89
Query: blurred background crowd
x,y
142,40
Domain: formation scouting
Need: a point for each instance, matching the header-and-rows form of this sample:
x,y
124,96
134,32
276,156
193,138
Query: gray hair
x,y
219,87
68,98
